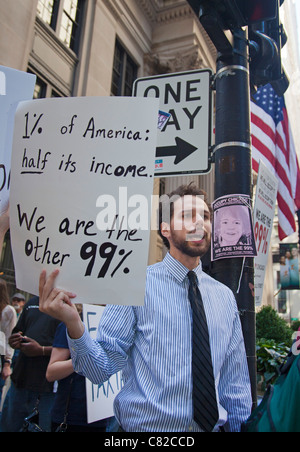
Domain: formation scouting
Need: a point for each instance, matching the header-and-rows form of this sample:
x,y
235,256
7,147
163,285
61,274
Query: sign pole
x,y
233,174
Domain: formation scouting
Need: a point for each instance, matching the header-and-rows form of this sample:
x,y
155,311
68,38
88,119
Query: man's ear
x,y
165,230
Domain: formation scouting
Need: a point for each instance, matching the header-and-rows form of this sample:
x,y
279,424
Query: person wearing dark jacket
x,y
32,337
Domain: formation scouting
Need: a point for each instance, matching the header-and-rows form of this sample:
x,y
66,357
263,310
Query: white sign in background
x,y
15,86
264,211
100,398
70,159
183,144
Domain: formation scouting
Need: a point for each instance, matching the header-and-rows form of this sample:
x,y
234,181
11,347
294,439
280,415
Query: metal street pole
x,y
233,174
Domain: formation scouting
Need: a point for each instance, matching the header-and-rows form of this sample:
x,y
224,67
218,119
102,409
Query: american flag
x,y
272,142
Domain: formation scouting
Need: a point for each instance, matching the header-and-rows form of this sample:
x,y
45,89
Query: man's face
x,y
190,229
17,304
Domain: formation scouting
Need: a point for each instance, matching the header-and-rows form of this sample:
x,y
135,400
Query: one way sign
x,y
183,144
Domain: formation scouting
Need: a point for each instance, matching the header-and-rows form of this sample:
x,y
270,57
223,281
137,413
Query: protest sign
x,y
15,86
81,169
232,228
264,211
100,398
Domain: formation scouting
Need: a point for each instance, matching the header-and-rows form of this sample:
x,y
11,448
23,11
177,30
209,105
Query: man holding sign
x,y
182,353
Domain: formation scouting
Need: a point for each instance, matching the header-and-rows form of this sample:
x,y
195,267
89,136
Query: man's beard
x,y
191,250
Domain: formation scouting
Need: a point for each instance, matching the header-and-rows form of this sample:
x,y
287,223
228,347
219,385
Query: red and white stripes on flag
x,y
272,142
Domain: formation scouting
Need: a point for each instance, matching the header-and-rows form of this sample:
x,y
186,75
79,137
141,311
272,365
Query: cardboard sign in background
x,y
78,163
264,211
15,86
100,398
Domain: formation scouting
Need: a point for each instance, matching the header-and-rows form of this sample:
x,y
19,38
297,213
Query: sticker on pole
x,y
233,234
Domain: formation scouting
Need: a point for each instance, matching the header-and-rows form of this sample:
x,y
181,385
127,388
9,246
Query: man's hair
x,y
166,205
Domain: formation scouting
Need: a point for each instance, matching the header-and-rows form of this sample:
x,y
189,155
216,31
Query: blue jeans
x,y
19,403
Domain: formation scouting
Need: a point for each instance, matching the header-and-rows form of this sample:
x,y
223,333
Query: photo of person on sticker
x,y
232,227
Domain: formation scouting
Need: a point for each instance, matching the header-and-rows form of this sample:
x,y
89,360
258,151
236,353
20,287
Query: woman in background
x,y
69,410
8,320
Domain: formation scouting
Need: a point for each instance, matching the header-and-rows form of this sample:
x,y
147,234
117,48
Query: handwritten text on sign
x,y
264,211
70,159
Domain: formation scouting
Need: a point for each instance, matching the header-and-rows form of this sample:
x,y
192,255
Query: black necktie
x,y
206,412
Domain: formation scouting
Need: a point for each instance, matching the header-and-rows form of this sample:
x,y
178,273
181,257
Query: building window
x,y
70,22
40,89
64,17
55,93
43,88
124,72
47,10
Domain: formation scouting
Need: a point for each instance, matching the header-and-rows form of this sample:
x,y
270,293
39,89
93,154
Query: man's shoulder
x,y
156,271
155,268
33,303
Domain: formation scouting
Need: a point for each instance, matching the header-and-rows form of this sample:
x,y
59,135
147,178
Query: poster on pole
x,y
81,187
15,86
264,211
100,398
233,228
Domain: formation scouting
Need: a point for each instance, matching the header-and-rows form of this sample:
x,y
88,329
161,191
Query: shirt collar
x,y
178,270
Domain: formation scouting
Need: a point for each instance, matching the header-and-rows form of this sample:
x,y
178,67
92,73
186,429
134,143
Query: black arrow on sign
x,y
182,150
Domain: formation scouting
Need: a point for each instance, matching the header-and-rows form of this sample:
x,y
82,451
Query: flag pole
x,y
233,175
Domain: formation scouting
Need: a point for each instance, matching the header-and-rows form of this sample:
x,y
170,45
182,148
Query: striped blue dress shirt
x,y
152,344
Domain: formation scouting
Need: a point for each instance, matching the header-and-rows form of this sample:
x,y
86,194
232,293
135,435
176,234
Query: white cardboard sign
x,y
100,398
15,86
264,211
81,168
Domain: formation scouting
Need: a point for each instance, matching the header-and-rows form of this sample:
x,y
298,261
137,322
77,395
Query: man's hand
x,y
31,348
15,340
57,303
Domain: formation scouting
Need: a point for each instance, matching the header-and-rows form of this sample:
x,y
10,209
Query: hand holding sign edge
x,y
57,303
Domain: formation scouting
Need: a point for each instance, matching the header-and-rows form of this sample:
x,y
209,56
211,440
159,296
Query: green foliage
x,y
273,343
270,356
269,325
296,325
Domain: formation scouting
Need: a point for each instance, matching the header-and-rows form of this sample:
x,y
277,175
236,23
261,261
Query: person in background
x,y
294,268
33,336
18,302
70,408
8,320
